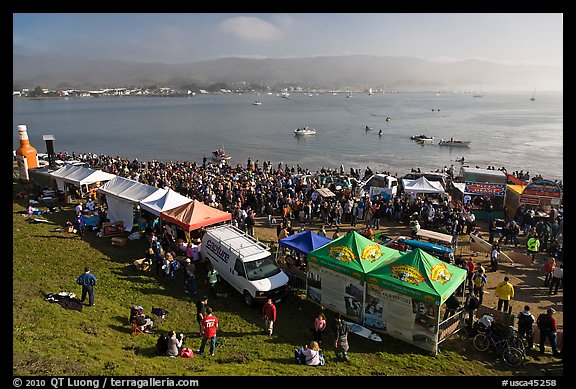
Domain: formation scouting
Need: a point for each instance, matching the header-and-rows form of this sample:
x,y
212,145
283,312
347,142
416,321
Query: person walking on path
x,y
201,306
319,327
341,331
547,325
525,322
479,281
504,291
269,316
557,276
209,327
87,281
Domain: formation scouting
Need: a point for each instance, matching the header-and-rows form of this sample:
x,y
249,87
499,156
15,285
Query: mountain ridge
x,y
355,72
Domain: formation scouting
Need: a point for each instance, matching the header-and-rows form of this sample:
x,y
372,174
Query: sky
x,y
510,38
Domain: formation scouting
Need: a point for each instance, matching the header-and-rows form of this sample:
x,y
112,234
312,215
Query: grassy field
x,y
50,340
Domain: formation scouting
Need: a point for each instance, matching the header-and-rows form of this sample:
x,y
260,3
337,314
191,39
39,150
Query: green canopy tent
x,y
408,294
337,272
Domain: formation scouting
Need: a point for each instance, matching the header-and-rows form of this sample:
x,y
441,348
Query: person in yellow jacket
x,y
504,291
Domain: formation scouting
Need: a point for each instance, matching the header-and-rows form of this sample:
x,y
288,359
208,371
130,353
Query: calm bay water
x,y
505,129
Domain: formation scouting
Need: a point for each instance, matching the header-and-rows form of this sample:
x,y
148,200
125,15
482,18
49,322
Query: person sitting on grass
x,y
308,355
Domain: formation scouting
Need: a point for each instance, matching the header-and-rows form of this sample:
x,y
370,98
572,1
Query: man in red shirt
x,y
269,316
209,327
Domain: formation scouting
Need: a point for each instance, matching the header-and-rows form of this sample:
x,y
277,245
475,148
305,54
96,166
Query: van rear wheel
x,y
248,299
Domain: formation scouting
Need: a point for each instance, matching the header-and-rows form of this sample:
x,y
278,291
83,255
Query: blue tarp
x,y
304,242
427,246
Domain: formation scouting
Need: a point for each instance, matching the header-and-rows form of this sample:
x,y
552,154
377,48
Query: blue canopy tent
x,y
304,242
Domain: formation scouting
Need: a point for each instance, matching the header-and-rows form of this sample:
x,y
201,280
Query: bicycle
x,y
502,345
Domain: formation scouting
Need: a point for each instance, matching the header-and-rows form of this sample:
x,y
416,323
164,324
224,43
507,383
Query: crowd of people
x,y
289,195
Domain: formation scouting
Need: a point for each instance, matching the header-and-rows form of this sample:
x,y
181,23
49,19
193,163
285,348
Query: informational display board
x,y
336,291
400,316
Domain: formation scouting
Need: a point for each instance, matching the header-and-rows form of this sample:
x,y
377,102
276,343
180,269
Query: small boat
x,y
220,155
453,142
257,103
422,138
533,98
305,131
368,128
388,118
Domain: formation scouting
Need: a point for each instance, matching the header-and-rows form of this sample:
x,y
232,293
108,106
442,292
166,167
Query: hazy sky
x,y
528,38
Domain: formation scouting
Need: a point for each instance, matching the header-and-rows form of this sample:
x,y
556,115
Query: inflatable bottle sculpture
x,y
26,155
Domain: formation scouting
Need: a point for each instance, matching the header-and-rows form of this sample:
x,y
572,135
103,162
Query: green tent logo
x,y
341,253
371,253
407,273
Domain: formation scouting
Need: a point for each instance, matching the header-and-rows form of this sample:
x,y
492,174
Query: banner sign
x,y
543,188
487,189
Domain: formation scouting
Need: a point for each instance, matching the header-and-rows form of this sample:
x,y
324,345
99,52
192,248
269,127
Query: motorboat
x,y
257,103
305,131
454,142
422,138
220,155
388,118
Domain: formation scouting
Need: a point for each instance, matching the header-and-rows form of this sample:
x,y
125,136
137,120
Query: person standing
x,y
319,327
548,328
494,254
88,281
201,306
504,291
209,327
525,330
548,268
80,223
479,281
557,276
269,316
533,246
471,305
212,279
341,331
189,277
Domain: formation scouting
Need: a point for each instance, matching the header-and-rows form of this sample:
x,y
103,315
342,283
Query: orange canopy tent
x,y
195,214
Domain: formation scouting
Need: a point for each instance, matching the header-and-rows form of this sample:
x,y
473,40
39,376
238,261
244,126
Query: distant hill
x,y
340,72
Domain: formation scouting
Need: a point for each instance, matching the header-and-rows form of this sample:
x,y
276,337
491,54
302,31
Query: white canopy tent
x,y
422,185
163,200
79,175
122,194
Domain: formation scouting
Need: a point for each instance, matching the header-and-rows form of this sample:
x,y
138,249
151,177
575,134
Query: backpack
x,y
525,321
186,352
542,322
478,281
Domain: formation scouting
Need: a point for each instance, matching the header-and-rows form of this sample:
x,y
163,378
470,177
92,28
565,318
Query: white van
x,y
245,263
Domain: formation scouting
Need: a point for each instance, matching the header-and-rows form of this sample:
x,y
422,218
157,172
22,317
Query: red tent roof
x,y
194,215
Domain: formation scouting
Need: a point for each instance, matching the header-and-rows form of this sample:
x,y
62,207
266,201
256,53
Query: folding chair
x,y
137,329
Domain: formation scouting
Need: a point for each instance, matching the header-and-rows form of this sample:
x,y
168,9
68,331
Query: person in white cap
x,y
547,326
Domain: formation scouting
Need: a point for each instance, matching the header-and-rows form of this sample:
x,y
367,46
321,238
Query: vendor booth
x,y
301,244
123,196
163,200
80,177
478,188
194,215
404,299
337,272
541,193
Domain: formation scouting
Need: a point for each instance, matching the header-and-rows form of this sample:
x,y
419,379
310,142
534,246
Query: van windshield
x,y
262,268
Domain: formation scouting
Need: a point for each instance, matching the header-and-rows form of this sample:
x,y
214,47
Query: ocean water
x,y
505,129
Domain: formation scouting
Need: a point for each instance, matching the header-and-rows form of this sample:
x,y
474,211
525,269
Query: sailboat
x,y
533,96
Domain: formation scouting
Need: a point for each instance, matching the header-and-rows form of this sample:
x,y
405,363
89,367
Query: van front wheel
x,y
248,299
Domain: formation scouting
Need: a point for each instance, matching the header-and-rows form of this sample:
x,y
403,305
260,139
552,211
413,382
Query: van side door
x,y
239,274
